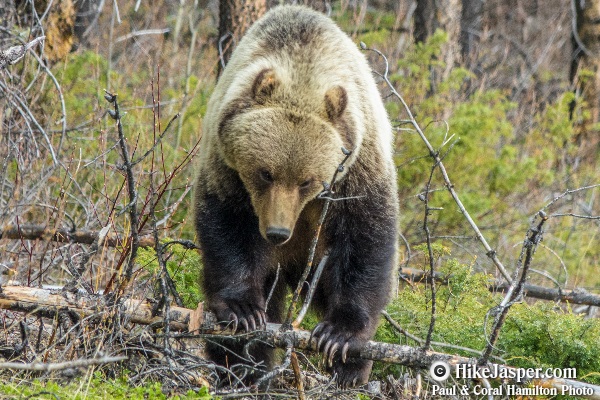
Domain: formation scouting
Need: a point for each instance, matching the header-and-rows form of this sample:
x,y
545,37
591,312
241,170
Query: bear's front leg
x,y
234,275
356,282
235,265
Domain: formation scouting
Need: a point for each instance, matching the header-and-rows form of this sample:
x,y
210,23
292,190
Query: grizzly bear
x,y
295,92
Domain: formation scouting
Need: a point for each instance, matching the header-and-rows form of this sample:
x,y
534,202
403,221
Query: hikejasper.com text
x,y
466,371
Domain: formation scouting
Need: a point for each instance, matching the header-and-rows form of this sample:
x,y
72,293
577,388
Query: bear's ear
x,y
336,101
264,85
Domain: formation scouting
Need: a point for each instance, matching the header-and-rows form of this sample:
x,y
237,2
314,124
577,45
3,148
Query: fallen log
x,y
51,367
63,235
48,303
574,296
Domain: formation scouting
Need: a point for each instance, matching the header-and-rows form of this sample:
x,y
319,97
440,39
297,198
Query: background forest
x,y
506,91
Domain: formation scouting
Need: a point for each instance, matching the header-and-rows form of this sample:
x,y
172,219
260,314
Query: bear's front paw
x,y
234,314
330,339
334,343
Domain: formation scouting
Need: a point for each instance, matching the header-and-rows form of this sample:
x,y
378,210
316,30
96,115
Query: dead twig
x,y
573,296
132,191
311,291
298,375
425,199
491,253
515,291
40,232
409,335
326,194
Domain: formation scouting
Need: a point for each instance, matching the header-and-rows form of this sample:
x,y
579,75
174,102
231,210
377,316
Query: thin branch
x,y
142,32
596,217
417,339
327,191
116,7
425,199
566,193
491,253
61,97
13,54
272,287
64,235
23,107
311,290
515,291
156,142
297,375
133,195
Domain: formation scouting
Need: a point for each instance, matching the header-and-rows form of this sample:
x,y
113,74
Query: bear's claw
x,y
329,342
345,352
334,343
237,315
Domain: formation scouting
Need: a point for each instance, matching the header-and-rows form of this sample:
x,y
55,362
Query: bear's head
x,y
282,155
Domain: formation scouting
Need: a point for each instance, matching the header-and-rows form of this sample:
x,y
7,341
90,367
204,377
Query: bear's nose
x,y
278,235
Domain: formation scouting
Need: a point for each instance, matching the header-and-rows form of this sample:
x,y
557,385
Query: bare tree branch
x,y
515,291
325,194
13,54
131,188
491,253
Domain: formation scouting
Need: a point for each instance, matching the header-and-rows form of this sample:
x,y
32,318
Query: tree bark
x,y
235,17
429,16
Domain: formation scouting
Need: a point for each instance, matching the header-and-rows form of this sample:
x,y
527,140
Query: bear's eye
x,y
266,176
306,184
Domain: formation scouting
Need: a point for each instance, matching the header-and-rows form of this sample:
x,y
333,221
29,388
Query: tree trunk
x,y
431,15
426,21
586,57
470,28
235,17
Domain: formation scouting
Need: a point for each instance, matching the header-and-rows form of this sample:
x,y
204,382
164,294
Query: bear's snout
x,y
277,235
